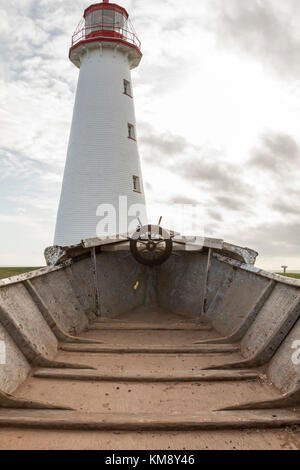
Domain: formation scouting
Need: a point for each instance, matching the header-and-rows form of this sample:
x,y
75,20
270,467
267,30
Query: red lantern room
x,y
107,24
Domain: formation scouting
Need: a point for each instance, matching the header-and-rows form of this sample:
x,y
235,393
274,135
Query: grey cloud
x,y
277,239
213,230
18,165
216,175
165,144
231,203
39,36
287,208
267,30
278,154
214,214
197,165
166,65
15,164
181,199
163,75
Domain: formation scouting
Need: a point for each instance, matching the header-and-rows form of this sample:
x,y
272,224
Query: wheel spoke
x,y
151,248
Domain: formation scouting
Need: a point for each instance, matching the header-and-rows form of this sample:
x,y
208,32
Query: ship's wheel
x,y
151,245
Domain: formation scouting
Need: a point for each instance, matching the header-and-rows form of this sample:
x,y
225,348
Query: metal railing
x,y
105,31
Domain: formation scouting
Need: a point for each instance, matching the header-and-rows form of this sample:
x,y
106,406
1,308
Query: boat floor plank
x,y
132,337
148,389
143,349
243,439
144,397
150,314
145,376
73,420
162,363
117,325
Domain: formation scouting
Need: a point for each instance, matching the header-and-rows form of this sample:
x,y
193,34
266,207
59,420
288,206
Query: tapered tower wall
x,y
102,160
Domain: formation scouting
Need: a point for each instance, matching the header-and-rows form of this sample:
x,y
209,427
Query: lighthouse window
x,y
127,88
108,19
119,22
93,21
131,132
136,184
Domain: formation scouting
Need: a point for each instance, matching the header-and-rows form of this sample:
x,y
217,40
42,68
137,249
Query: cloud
x,y
166,74
287,208
185,114
231,203
181,199
15,164
277,153
25,240
199,165
274,239
215,174
266,30
158,145
214,214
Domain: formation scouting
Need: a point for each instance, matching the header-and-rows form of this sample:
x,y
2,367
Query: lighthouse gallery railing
x,y
105,31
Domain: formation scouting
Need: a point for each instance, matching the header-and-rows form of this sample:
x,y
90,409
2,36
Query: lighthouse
x,y
102,174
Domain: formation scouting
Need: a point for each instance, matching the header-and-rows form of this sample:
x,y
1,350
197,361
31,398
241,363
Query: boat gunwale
x,y
258,271
33,274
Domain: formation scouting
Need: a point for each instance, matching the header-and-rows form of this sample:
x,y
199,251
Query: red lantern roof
x,y
105,5
106,23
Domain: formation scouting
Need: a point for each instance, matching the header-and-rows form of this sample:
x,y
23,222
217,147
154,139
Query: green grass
x,y
8,272
293,275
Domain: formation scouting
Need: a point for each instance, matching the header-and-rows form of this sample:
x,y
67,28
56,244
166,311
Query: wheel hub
x,y
151,245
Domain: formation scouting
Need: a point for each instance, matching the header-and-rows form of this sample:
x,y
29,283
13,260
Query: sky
x,y
217,98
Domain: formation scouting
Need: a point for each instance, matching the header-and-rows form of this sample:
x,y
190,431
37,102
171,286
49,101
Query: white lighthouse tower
x,y
102,162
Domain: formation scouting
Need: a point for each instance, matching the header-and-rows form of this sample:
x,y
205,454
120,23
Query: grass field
x,y
8,272
293,275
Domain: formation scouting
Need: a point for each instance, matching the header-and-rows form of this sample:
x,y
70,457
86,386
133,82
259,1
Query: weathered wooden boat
x,y
123,344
